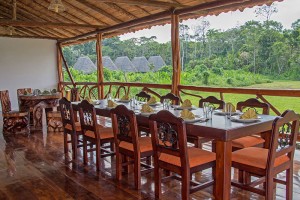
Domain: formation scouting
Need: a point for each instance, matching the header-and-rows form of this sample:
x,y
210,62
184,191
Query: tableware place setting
x,y
249,116
186,105
189,117
153,102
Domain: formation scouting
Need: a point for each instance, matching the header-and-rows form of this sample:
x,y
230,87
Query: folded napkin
x,y
249,114
186,114
152,100
146,109
111,104
125,97
227,107
187,103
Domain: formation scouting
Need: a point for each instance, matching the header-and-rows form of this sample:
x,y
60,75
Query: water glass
x,y
108,96
205,106
228,110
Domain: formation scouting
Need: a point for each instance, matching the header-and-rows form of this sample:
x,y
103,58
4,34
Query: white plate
x,y
182,108
123,101
237,119
155,104
147,114
197,119
220,112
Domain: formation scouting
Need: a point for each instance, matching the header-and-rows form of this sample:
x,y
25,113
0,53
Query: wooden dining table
x,y
36,104
221,129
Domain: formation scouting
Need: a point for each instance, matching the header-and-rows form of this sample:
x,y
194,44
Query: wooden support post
x,y
59,69
100,66
175,53
66,65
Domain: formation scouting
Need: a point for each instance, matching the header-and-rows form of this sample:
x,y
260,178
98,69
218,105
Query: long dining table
x,y
220,128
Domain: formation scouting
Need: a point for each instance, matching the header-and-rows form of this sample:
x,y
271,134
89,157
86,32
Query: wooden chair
x,y
129,144
175,99
22,91
172,154
213,100
71,127
73,95
254,140
267,163
13,121
143,96
94,133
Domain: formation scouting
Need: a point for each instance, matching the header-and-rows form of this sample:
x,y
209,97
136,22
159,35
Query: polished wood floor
x,y
35,167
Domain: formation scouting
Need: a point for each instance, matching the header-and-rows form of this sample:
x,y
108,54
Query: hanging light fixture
x,y
56,6
11,30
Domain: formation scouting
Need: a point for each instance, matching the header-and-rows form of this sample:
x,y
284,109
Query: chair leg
x,y
84,151
185,185
98,155
74,144
269,187
157,180
137,172
289,183
118,166
240,176
66,149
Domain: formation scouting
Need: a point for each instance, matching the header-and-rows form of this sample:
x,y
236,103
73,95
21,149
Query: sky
x,y
288,12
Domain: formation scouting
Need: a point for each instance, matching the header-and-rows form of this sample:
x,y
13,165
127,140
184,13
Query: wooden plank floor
x,y
34,167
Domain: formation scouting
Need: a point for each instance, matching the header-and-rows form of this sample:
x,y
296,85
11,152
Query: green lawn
x,y
281,103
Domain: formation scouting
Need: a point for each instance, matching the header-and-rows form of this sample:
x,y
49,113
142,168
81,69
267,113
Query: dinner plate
x,y
123,101
147,114
182,108
197,119
237,119
220,112
155,104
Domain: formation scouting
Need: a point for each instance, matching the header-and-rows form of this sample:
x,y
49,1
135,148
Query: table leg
x,y
223,170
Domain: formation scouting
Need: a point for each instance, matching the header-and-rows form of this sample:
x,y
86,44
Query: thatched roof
x,y
157,62
108,63
141,64
85,65
123,63
85,18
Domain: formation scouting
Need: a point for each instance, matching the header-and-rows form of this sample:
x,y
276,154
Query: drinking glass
x,y
205,107
228,110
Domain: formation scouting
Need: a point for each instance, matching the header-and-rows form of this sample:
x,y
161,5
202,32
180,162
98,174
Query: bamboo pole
x,y
59,68
175,53
100,74
66,65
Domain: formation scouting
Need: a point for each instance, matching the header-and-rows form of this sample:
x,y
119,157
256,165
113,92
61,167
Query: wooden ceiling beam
x,y
100,11
121,10
150,3
80,11
31,37
47,24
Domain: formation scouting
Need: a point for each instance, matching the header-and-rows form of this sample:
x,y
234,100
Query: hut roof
x,y
123,63
85,65
141,64
108,63
84,18
157,61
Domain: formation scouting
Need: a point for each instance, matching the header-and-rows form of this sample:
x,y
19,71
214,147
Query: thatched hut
x,y
141,64
85,65
108,63
157,62
123,63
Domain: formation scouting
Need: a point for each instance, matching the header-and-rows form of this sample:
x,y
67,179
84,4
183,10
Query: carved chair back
x,y
143,96
23,91
67,113
287,125
124,126
168,134
5,101
253,103
175,99
88,119
213,100
75,95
